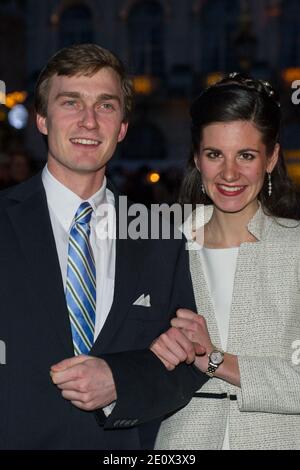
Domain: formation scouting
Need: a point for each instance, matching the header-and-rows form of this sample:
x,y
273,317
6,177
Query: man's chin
x,y
86,167
85,170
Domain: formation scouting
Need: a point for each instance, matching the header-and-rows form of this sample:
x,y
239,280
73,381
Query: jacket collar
x,y
26,190
258,225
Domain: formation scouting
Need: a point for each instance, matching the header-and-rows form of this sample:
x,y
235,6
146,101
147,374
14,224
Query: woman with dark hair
x,y
246,277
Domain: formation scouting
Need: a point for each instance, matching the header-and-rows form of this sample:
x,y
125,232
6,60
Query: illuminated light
x,y
293,166
18,116
292,154
153,177
16,97
294,172
10,102
54,19
290,74
213,78
20,96
273,11
143,85
2,92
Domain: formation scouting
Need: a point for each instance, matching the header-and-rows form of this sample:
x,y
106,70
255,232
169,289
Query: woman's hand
x,y
188,341
194,327
180,343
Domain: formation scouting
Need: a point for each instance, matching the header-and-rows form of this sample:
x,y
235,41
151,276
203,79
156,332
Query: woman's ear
x,y
272,160
196,161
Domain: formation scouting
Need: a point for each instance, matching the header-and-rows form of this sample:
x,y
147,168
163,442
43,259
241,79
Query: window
x,y
76,26
146,31
144,141
218,23
290,34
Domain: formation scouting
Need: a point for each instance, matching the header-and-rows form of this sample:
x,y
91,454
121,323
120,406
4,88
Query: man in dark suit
x,y
60,389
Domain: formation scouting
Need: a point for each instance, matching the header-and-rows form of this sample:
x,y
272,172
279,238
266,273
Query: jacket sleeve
x,y
270,384
146,390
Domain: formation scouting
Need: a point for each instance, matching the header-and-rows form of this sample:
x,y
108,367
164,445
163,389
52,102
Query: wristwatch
x,y
215,359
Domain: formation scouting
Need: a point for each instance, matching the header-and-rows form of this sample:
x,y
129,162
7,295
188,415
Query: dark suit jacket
x,y
35,326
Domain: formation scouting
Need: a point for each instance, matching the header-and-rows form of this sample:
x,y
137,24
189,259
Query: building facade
x,y
172,48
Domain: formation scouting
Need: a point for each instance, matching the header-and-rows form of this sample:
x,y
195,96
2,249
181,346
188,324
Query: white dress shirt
x,y
63,205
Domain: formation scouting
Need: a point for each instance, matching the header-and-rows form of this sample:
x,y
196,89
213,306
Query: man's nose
x,y
88,118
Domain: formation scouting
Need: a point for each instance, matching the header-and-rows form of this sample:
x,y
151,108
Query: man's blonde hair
x,y
81,59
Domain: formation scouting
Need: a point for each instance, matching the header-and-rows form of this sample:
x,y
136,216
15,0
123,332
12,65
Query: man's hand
x,y
86,381
173,347
194,327
186,341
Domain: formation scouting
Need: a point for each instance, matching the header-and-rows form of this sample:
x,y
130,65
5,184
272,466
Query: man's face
x,y
84,121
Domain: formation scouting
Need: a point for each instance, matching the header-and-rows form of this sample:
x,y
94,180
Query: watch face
x,y
216,357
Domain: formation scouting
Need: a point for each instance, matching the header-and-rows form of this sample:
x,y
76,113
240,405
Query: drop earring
x,y
269,184
203,188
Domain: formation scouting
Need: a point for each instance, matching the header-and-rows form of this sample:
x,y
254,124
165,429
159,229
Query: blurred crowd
x,y
138,184
15,167
147,186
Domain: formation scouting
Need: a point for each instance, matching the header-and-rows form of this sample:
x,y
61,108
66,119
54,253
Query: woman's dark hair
x,y
240,98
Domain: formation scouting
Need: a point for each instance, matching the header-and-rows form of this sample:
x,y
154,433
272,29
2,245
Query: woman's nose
x,y
230,171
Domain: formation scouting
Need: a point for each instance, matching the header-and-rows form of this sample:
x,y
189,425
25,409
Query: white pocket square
x,y
143,301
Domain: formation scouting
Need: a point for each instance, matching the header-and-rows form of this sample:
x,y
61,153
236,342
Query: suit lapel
x,y
129,255
128,265
31,222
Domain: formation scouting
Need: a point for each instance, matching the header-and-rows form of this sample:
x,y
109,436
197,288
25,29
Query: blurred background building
x,y
173,49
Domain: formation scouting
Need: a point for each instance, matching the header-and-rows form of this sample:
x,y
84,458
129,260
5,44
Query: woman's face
x,y
233,161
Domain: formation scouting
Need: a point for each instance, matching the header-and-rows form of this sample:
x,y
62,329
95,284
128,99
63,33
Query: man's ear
x,y
41,123
272,160
123,131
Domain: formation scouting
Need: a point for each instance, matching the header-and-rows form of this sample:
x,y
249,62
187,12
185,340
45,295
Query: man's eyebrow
x,y
69,94
109,97
101,97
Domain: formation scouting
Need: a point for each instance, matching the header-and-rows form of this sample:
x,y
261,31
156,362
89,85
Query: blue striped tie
x,y
81,282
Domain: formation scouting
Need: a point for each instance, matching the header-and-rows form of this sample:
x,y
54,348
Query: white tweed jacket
x,y
264,331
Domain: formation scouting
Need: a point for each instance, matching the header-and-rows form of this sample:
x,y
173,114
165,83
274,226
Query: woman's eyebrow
x,y
214,149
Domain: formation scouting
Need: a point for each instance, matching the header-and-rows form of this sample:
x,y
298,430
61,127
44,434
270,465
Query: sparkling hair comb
x,y
258,85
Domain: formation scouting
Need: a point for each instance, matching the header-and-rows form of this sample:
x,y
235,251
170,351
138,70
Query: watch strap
x,y
211,370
